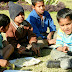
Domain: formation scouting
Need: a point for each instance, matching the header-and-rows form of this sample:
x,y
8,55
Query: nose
x,y
66,27
41,7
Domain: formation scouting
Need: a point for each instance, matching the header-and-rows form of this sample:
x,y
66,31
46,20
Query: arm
x,y
59,42
49,38
51,25
64,49
52,28
27,25
31,37
33,41
50,35
11,37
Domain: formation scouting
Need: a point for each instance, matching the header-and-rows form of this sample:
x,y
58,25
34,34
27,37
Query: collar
x,y
15,25
68,35
44,15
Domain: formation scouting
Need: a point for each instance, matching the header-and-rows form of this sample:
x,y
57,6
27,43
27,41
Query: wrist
x,y
33,42
48,39
60,49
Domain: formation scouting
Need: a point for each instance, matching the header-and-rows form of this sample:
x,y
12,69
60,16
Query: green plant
x,y
29,1
47,2
51,2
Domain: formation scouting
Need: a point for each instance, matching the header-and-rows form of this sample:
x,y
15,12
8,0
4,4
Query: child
x,y
20,35
40,20
63,49
7,49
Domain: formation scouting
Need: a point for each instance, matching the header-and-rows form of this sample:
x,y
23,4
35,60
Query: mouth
x,y
22,19
42,11
67,31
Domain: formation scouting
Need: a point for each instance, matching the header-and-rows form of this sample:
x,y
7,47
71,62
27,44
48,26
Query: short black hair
x,y
35,1
63,13
4,20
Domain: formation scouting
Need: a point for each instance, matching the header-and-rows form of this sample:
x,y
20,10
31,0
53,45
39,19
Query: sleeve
x,y
0,41
31,35
12,41
52,27
10,37
26,23
32,21
59,41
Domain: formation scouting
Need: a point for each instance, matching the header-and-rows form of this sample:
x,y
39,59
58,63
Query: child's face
x,y
19,18
66,25
39,7
4,29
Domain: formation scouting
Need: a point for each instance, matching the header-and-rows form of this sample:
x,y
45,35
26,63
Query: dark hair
x,y
35,1
63,13
4,20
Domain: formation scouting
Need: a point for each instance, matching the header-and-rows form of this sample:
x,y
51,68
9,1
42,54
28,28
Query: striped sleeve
x,y
59,41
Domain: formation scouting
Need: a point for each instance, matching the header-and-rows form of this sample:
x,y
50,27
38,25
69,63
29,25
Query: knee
x,y
52,52
11,47
66,64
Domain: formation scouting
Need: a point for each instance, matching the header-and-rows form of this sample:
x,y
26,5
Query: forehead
x,y
64,20
39,3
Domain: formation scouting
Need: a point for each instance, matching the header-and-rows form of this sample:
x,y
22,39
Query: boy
x,y
5,49
18,34
63,49
40,20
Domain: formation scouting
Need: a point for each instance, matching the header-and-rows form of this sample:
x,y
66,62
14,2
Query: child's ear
x,y
33,7
1,28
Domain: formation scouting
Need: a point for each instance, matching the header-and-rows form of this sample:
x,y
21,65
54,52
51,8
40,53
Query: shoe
x,y
53,64
69,53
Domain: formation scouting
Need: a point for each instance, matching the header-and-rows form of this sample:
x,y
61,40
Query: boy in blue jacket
x,y
40,20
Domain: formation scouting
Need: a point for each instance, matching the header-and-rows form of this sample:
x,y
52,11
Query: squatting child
x,y
63,48
19,34
5,49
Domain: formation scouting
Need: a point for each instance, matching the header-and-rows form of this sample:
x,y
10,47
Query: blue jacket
x,y
1,38
39,26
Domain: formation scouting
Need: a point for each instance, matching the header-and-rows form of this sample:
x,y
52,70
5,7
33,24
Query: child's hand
x,y
36,48
52,41
65,49
3,63
21,49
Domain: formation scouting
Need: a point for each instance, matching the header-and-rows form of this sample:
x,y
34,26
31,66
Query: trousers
x,y
64,58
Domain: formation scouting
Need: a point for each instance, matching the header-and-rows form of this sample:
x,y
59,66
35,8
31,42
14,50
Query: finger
x,y
68,49
35,50
38,52
20,51
65,51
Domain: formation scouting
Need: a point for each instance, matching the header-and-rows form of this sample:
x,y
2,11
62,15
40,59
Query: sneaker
x,y
53,64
